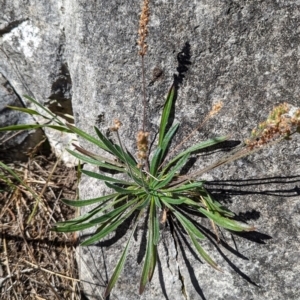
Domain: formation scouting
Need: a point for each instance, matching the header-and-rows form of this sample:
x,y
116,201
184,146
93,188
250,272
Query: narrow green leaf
x,y
33,126
88,137
73,227
144,201
121,262
226,222
202,145
165,114
193,232
127,157
109,145
188,225
95,162
58,128
203,254
80,203
123,190
148,263
168,137
171,174
175,201
97,156
155,161
80,219
44,108
104,206
213,205
157,202
154,221
166,141
104,232
160,151
27,111
106,178
152,262
117,151
108,229
186,187
112,213
146,267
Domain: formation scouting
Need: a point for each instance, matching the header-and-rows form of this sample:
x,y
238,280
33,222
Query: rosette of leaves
x,y
152,192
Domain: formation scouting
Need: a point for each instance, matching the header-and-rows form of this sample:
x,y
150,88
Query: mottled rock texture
x,y
32,58
245,53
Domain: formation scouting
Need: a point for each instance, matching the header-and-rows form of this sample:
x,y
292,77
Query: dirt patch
x,y
36,263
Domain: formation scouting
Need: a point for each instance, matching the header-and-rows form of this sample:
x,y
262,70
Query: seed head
x,y
142,144
215,109
282,121
143,30
117,125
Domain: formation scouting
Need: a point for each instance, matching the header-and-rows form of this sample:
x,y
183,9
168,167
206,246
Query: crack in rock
x,y
9,26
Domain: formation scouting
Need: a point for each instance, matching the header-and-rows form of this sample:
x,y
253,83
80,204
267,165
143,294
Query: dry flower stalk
x,y
143,30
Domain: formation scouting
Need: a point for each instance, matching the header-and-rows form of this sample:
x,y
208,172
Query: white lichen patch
x,y
25,38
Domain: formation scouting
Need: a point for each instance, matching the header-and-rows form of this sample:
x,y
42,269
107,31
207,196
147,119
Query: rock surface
x,y
244,53
32,60
9,117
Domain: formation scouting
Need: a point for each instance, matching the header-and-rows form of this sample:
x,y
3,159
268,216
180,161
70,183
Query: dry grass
x,y
36,263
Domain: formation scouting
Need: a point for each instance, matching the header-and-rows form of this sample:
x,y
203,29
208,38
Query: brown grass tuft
x,y
37,263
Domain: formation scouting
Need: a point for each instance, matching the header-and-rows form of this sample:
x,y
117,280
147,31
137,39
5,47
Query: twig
x,y
50,272
12,275
42,191
7,264
33,259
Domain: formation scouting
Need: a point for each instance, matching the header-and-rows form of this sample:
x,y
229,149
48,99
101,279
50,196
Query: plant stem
x,y
144,93
127,164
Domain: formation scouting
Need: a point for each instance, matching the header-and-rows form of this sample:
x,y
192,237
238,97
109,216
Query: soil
x,y
35,262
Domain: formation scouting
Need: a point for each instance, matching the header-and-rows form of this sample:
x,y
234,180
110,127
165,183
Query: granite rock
x,y
243,53
32,61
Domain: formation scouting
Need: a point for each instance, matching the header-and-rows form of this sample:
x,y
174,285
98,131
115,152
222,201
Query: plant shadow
x,y
222,191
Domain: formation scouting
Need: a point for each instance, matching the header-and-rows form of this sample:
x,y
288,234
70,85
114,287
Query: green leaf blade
x,y
106,178
202,145
160,151
203,254
165,114
120,265
88,137
188,225
111,225
185,187
81,203
169,176
96,162
110,147
150,257
173,201
124,191
226,222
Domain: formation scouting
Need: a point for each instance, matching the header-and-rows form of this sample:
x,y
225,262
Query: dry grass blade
x,y
48,271
37,263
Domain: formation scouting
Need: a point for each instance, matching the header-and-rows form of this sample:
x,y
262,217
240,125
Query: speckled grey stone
x,y
244,53
32,59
